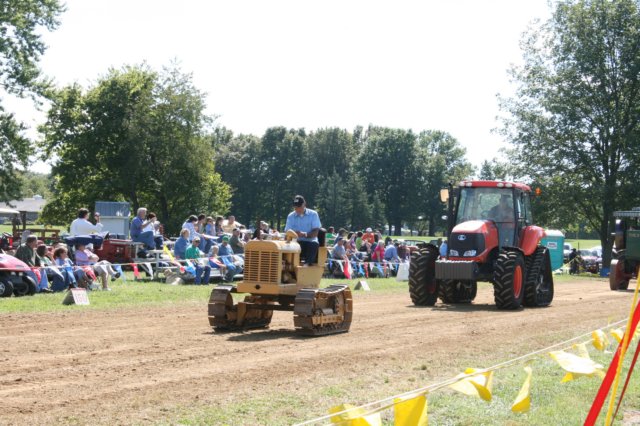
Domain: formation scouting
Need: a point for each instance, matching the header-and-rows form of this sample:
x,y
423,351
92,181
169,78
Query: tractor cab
x,y
626,251
487,216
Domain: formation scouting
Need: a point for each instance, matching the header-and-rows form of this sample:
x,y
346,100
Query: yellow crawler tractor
x,y
276,280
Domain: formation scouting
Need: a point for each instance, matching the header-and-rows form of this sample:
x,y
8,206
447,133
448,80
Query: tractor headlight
x,y
453,252
469,253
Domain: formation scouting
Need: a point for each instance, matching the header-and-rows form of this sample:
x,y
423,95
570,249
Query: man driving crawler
x,y
306,224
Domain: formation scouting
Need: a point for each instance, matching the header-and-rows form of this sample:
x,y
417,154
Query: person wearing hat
x,y
369,236
306,224
193,252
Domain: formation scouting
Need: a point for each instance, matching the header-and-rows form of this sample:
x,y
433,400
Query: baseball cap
x,y
298,200
369,230
225,238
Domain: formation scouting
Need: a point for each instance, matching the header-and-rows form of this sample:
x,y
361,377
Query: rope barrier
x,y
386,403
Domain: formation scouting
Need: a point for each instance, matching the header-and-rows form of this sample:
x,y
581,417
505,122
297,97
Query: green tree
x,y
139,136
575,117
21,25
389,166
441,160
333,200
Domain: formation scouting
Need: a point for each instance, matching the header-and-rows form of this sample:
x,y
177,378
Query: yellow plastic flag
x,y
576,366
410,412
354,417
166,250
600,341
523,400
617,334
582,350
476,385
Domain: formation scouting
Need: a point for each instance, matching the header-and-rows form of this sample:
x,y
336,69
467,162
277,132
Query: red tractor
x,y
491,237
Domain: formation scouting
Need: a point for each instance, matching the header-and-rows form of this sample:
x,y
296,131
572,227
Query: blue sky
x,y
408,64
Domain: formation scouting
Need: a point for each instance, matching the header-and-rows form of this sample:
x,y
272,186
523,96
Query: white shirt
x,y
84,227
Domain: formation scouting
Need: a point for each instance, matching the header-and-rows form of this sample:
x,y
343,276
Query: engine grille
x,y
463,242
261,266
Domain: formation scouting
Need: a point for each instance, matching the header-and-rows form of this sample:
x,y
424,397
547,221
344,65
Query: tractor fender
x,y
531,236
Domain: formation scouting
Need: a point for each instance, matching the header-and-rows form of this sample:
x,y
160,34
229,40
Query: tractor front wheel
x,y
423,286
508,280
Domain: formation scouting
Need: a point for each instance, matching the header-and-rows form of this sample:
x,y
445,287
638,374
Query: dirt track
x,y
148,365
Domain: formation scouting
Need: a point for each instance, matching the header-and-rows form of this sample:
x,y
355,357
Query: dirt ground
x,y
143,365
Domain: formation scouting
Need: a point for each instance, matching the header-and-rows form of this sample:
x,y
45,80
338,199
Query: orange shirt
x,y
369,237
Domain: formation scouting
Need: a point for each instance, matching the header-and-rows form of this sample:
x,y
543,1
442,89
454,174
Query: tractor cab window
x,y
524,209
485,203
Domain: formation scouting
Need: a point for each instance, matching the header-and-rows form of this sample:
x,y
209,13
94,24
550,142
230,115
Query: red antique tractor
x,y
491,237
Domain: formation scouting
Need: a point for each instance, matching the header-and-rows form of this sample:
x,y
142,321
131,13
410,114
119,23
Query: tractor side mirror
x,y
444,195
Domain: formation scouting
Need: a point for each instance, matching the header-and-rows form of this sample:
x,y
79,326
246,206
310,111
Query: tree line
x,y
142,136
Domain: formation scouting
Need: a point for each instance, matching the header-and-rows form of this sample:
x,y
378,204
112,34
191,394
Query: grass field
x,y
556,403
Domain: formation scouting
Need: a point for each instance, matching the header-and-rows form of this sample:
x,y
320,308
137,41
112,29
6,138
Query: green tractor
x,y
626,249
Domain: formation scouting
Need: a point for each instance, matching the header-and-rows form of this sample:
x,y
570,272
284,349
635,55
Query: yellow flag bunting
x,y
522,404
576,366
476,385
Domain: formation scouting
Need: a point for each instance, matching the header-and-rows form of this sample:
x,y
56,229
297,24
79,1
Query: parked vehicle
x,y
13,277
566,251
590,261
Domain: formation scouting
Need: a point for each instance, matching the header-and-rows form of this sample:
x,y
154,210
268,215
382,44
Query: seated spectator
x,y
73,276
54,276
229,224
360,244
193,253
102,268
226,254
369,237
403,252
206,241
216,262
377,252
391,252
443,248
330,236
219,228
209,227
82,226
339,251
180,247
236,242
138,235
27,253
154,226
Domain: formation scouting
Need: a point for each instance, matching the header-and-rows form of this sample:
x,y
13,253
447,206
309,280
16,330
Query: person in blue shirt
x,y
443,249
391,252
180,247
225,252
137,225
306,224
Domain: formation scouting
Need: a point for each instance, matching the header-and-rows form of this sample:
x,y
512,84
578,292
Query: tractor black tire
x,y
27,287
6,288
508,280
618,278
538,287
453,291
423,287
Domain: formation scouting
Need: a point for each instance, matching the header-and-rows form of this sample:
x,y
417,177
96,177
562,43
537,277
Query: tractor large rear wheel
x,y
618,277
538,288
508,280
423,286
453,291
